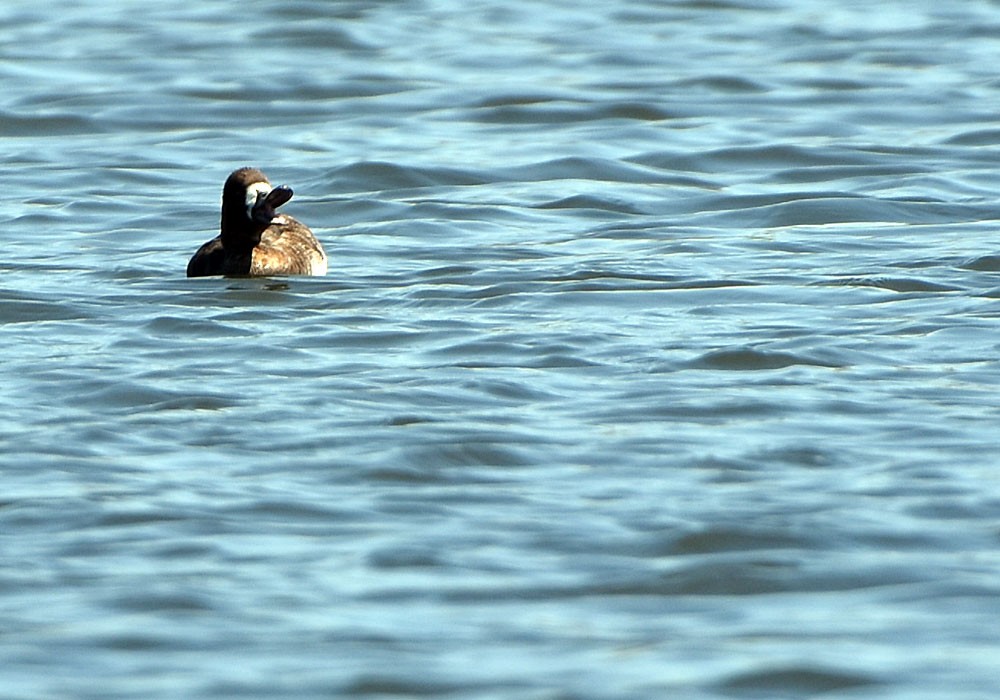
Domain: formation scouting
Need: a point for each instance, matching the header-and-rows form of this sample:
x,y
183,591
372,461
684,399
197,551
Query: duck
x,y
254,240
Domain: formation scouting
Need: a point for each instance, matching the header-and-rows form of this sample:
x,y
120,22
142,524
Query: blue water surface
x,y
657,356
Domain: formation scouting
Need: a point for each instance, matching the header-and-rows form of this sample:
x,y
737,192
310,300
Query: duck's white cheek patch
x,y
253,192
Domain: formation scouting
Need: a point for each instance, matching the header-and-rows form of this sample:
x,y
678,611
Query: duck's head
x,y
250,203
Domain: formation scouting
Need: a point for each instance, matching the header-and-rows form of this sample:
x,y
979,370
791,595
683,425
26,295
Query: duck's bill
x,y
267,203
279,195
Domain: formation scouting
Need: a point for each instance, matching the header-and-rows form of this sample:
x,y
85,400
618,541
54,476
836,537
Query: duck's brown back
x,y
288,247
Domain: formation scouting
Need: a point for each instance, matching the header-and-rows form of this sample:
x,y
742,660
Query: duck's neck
x,y
239,234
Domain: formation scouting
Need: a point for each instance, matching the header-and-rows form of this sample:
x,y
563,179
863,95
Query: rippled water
x,y
658,355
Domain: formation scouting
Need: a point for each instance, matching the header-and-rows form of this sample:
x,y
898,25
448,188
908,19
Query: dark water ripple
x,y
657,356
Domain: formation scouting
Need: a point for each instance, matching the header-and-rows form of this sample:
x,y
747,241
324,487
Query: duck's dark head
x,y
249,205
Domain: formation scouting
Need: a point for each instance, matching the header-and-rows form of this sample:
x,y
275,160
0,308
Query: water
x,y
658,355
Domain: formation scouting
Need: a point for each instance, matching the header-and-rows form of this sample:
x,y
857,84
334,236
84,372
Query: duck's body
x,y
286,247
254,240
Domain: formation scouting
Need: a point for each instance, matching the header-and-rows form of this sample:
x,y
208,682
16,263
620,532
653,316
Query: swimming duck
x,y
254,239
